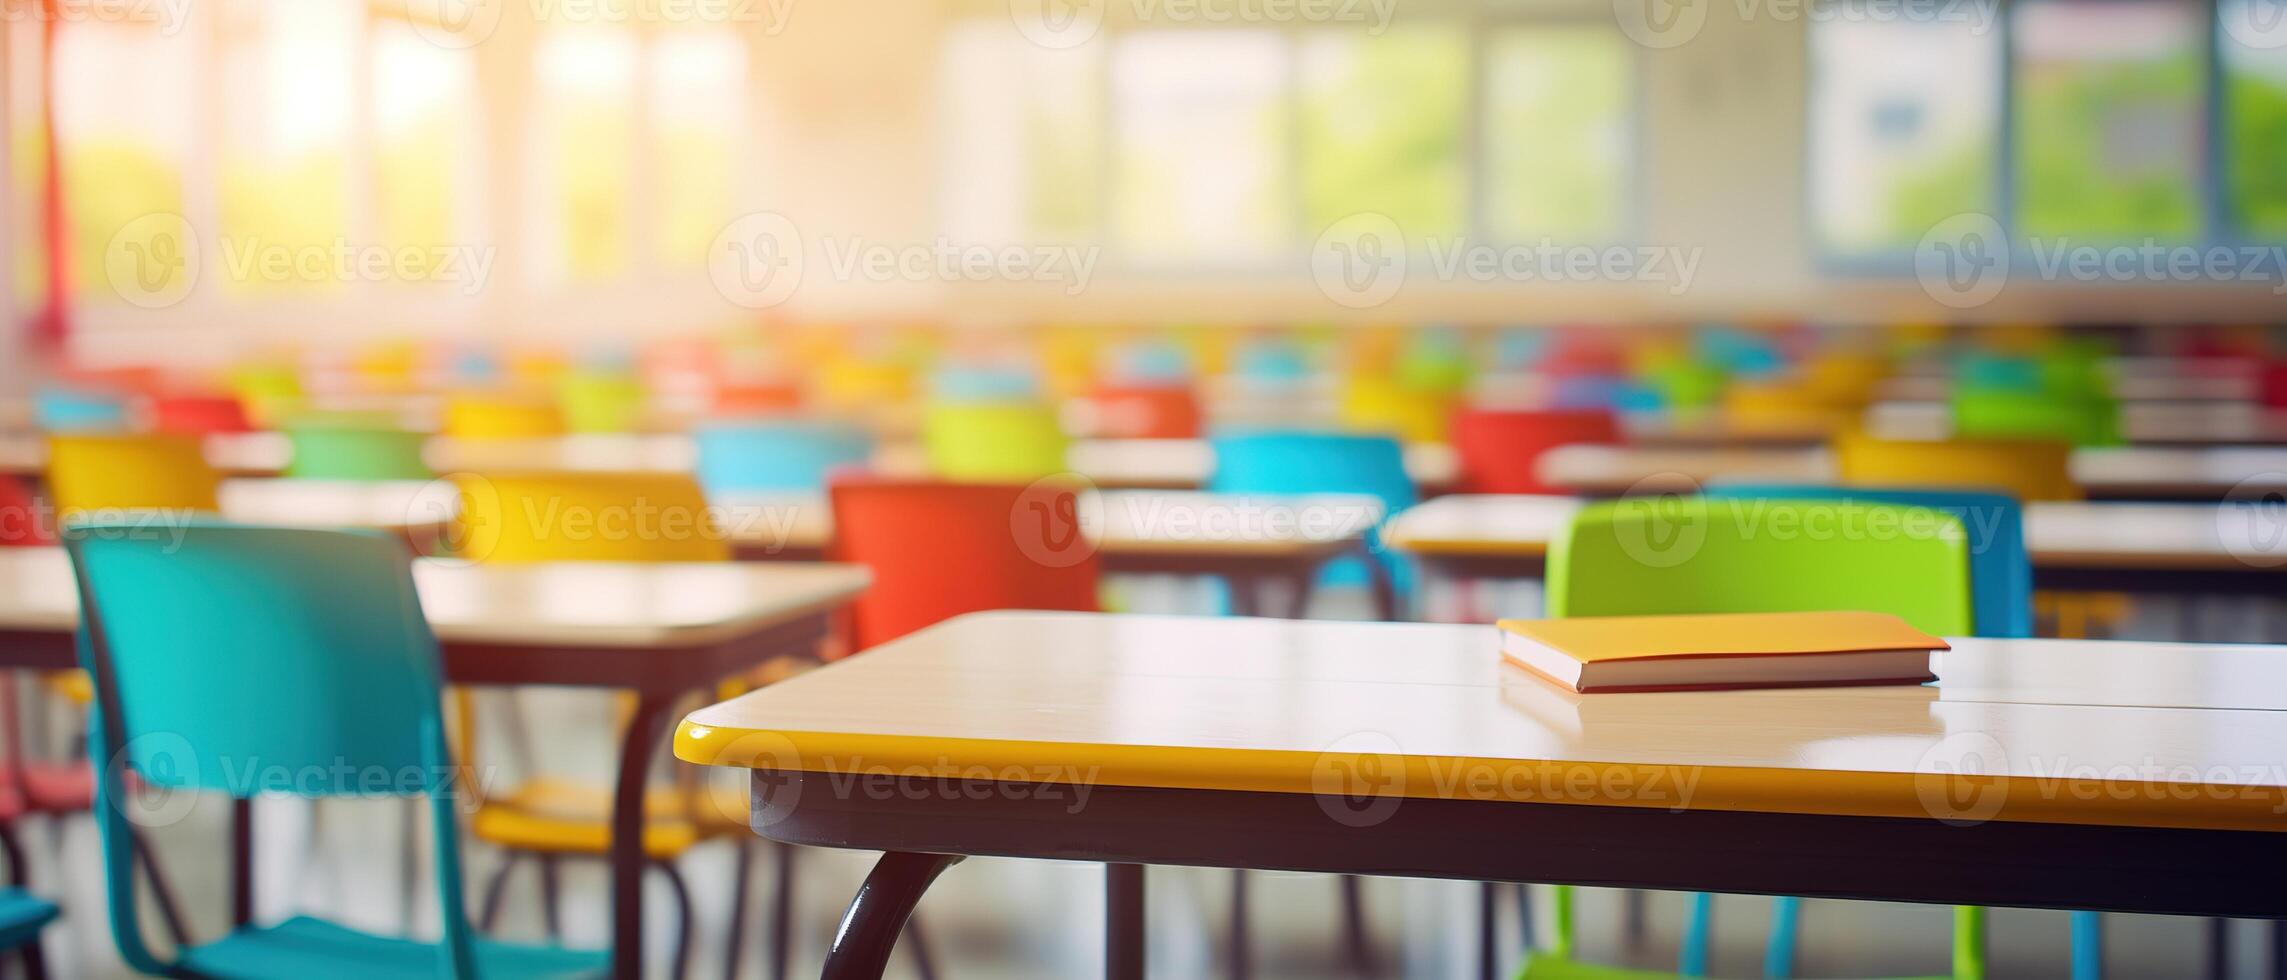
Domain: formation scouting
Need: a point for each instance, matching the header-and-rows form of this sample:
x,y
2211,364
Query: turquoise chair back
x,y
1299,462
2000,570
247,660
736,457
58,409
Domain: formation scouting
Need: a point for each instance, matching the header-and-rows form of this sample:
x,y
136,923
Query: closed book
x,y
1738,650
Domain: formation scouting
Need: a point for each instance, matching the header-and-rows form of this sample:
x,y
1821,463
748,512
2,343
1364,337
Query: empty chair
x,y
938,550
1145,411
232,649
600,401
329,450
758,398
494,416
99,473
777,456
64,409
993,441
1500,450
22,523
2004,413
512,517
2027,469
1308,462
22,914
1381,405
199,414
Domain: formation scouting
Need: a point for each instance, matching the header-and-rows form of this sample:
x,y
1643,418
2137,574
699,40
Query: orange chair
x,y
1146,412
2027,469
1500,450
939,550
733,400
21,523
199,415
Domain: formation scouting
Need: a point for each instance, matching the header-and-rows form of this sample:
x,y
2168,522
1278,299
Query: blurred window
x,y
1905,118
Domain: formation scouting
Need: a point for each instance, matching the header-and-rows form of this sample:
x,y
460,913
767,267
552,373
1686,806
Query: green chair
x,y
993,441
2081,418
600,401
331,450
1675,555
242,660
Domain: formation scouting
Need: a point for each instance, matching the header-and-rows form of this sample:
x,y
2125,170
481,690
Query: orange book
x,y
1743,650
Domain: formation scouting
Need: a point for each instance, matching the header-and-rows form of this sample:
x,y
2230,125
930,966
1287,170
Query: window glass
x,y
1904,118
2253,48
1200,162
1383,120
1556,131
2109,121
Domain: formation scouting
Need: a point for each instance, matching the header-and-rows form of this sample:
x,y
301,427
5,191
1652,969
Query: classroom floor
x,y
1019,919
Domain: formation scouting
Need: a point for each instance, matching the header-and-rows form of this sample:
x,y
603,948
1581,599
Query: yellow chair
x,y
106,472
599,517
2026,469
1379,405
501,416
601,401
993,441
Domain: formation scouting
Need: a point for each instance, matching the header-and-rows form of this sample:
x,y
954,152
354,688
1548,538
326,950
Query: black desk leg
x,y
1123,922
644,729
870,928
1488,941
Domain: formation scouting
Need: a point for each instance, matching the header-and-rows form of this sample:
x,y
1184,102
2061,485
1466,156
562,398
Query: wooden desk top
x,y
2084,732
2153,537
556,604
1122,522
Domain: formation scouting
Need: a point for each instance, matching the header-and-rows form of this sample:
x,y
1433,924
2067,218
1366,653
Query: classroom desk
x,y
232,454
2114,473
2135,777
1246,539
2124,547
660,631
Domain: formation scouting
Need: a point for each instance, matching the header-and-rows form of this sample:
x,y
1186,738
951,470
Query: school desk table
x,y
2113,473
232,454
1246,539
2132,777
660,631
2078,546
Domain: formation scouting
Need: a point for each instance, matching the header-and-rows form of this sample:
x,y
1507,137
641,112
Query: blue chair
x,y
2001,601
774,455
1303,462
965,383
243,659
59,409
22,914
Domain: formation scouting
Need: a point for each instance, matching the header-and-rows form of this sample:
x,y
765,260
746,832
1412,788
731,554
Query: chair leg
x,y
2088,945
2219,948
735,941
1239,958
1786,925
1698,927
782,913
1488,939
550,889
35,961
924,965
682,966
1525,915
1968,942
1357,943
488,914
161,892
1632,918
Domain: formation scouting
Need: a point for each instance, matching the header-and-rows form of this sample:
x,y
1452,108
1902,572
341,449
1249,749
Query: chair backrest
x,y
1146,411
1500,450
1672,555
473,416
939,550
95,473
330,451
993,441
199,414
1296,461
2000,570
734,400
760,455
2271,385
2007,413
61,409
634,517
600,401
2027,469
1377,404
21,523
247,660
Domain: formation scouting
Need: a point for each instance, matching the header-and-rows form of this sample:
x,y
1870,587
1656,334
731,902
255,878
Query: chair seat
x,y
1549,966
46,788
306,947
22,915
567,817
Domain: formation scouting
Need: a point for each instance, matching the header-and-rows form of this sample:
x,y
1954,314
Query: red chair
x,y
199,415
2274,385
1145,412
732,400
1500,450
939,550
21,523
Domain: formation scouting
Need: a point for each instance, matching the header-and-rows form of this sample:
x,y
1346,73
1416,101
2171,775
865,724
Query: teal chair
x,y
1305,462
242,659
62,409
776,455
22,914
1669,555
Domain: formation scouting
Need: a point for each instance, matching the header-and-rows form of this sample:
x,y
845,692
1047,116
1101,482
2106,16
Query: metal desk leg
x,y
870,928
1123,922
644,730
